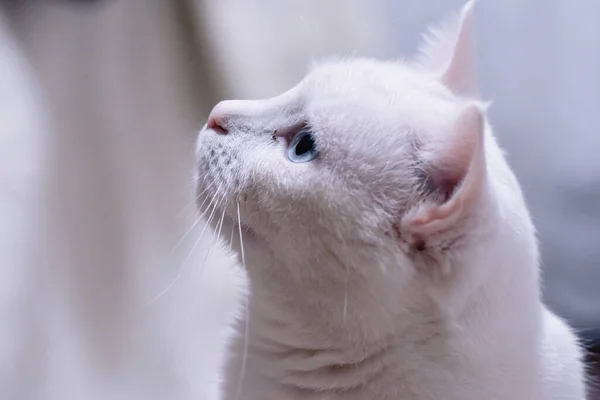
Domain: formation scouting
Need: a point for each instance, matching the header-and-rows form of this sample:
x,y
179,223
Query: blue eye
x,y
302,147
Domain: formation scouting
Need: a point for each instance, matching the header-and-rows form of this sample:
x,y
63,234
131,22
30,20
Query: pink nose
x,y
216,119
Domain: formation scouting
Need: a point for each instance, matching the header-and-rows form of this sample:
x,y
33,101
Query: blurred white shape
x,y
263,47
124,104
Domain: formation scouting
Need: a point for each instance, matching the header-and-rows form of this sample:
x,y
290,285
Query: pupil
x,y
304,145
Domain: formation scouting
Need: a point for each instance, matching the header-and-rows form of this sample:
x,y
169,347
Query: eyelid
x,y
289,132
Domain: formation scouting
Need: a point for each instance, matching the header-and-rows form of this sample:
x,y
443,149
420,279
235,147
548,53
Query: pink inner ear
x,y
457,172
445,183
429,215
453,159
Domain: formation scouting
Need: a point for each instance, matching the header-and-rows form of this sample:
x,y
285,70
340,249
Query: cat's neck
x,y
325,341
344,334
329,311
316,345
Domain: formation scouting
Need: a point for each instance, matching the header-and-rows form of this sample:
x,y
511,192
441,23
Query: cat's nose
x,y
216,119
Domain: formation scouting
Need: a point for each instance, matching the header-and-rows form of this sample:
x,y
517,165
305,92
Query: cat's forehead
x,y
367,90
369,78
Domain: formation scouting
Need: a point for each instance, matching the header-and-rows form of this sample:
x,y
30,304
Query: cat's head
x,y
362,156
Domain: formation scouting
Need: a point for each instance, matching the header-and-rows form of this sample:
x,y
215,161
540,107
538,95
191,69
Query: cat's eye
x,y
302,148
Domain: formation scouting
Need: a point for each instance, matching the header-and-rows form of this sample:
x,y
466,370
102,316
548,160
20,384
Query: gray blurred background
x,y
100,102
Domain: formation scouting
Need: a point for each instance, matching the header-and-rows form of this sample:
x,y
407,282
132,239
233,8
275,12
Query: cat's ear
x,y
449,51
456,170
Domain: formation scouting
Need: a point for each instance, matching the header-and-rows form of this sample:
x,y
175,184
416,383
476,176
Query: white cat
x,y
388,247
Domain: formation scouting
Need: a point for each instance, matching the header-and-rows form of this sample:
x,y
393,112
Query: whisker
x,y
232,233
195,222
219,226
203,201
241,240
247,313
203,231
188,232
180,269
185,208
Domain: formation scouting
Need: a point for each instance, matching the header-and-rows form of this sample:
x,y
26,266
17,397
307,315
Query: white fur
x,y
402,262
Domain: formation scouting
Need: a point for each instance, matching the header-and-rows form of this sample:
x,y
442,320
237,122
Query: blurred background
x,y
108,290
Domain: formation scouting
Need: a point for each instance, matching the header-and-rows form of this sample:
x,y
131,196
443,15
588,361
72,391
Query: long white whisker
x,y
203,201
187,258
188,232
203,231
232,233
184,209
241,240
195,222
219,226
247,316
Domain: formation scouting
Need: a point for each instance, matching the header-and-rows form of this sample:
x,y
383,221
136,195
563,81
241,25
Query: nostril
x,y
216,125
215,122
